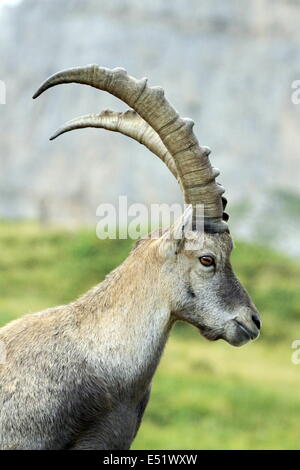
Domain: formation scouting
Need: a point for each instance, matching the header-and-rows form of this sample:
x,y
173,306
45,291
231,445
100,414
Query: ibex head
x,y
204,291
194,270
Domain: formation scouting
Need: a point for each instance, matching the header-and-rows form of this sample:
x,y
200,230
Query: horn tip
x,y
36,94
40,90
53,136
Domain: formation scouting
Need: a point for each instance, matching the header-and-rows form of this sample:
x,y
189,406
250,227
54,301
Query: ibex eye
x,y
207,260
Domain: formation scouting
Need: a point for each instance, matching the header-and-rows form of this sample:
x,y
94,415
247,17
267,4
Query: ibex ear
x,y
174,239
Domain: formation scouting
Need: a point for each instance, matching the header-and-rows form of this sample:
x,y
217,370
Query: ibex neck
x,y
131,321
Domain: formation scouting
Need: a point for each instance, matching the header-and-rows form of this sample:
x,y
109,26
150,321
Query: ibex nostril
x,y
256,321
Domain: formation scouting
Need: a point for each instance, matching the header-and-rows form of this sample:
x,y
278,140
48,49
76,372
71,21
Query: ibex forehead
x,y
215,243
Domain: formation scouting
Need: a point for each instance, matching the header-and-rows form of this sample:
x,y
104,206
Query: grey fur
x,y
78,376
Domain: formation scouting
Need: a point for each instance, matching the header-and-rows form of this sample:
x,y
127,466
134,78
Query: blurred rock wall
x,y
228,65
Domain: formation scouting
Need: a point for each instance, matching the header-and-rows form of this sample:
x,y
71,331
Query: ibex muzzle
x,y
78,376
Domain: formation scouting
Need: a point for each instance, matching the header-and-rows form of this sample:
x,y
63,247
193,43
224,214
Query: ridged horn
x,y
128,123
192,162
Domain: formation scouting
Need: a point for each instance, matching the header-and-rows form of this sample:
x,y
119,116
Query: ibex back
x,y
78,376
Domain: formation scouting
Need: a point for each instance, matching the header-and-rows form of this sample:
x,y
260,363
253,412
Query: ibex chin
x,y
78,376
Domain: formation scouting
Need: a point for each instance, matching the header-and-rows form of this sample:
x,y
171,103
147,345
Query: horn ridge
x,y
176,133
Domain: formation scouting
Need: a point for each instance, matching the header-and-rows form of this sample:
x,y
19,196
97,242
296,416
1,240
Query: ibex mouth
x,y
235,333
249,333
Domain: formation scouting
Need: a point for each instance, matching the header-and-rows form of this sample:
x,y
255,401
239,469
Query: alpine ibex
x,y
78,376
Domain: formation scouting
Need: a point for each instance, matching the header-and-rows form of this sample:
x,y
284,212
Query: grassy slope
x,y
205,395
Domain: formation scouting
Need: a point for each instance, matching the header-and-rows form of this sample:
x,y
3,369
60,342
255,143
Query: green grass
x,y
205,395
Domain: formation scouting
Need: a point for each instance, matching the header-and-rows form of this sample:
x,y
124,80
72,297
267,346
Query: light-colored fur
x,y
78,376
